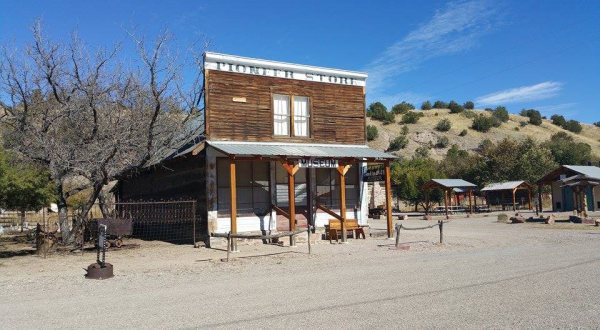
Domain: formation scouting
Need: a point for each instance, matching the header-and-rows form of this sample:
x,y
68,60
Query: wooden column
x,y
470,202
514,199
342,170
575,201
446,203
233,202
540,207
291,170
388,199
584,206
529,198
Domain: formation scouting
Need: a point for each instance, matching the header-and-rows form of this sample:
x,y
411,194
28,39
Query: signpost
x,y
374,173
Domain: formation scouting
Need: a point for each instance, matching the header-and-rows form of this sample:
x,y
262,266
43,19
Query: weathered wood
x,y
529,198
332,107
388,198
342,172
328,211
446,203
470,202
514,199
280,211
233,199
540,208
291,199
441,232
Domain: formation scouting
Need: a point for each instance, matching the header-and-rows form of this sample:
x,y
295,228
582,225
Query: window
x,y
301,116
298,110
281,112
328,187
253,196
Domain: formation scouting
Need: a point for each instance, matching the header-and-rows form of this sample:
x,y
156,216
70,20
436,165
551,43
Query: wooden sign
x,y
374,173
318,163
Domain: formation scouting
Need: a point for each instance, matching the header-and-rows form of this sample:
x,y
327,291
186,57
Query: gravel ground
x,y
486,275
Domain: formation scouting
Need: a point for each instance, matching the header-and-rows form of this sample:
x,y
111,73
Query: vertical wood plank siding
x,y
337,112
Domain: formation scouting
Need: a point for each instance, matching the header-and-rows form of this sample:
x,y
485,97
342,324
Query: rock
x,y
517,219
550,219
503,218
403,217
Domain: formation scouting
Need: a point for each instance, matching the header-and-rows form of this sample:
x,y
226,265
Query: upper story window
x,y
291,115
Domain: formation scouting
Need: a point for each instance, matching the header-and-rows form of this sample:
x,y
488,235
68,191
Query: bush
x,y
489,109
501,114
483,123
442,142
517,128
404,130
535,117
426,105
469,105
523,123
597,124
469,114
422,152
402,107
443,125
372,133
440,105
464,132
411,117
455,107
558,120
398,143
573,126
378,111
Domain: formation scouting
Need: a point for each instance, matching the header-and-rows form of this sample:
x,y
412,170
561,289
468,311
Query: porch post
x,y
540,208
342,170
291,170
446,202
233,202
584,207
529,199
388,198
514,199
470,202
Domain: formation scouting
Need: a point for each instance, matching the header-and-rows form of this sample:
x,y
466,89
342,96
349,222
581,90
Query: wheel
x,y
118,243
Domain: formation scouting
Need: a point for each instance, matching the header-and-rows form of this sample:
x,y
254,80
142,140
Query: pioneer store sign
x,y
244,65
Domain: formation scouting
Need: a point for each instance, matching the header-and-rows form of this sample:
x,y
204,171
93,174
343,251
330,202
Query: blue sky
x,y
522,54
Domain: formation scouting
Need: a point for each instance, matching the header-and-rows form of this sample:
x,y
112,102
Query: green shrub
x,y
483,123
372,133
422,152
440,105
464,132
535,117
489,109
442,142
411,117
426,105
523,123
501,114
517,128
443,125
455,107
378,111
398,143
597,124
573,126
469,105
402,108
558,120
404,130
469,114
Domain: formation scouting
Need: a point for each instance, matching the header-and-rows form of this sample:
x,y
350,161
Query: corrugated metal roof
x,y
509,185
591,171
300,150
453,183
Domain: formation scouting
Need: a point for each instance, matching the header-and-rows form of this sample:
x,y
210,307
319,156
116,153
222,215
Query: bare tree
x,y
91,118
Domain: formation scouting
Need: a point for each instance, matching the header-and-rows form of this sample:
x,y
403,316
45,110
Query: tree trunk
x,y
102,203
63,219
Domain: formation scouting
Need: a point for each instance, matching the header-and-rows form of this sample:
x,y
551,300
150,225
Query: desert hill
x,y
423,133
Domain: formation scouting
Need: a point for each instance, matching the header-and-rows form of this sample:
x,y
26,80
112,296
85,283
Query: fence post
x,y
398,227
441,225
194,222
228,245
308,232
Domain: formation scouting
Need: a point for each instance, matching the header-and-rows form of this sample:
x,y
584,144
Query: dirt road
x,y
487,275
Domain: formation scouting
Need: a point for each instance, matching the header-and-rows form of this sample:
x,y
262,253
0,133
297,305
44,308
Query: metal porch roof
x,y
454,183
298,150
591,171
509,185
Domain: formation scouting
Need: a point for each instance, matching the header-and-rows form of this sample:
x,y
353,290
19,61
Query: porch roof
x,y
509,185
299,150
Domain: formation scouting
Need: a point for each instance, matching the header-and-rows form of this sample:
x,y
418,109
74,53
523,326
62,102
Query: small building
x,y
513,194
563,198
284,146
450,186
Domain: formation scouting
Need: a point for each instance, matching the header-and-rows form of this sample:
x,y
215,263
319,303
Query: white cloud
x,y
393,99
454,29
535,92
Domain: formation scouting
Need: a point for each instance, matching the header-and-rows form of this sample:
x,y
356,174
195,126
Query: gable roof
x,y
570,170
449,183
591,171
508,185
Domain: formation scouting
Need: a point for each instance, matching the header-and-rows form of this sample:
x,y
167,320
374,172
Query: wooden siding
x,y
337,111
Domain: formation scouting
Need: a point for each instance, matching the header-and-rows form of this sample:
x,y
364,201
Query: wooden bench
x,y
335,227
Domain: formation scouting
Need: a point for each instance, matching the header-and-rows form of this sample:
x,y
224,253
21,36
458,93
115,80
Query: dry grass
x,y
423,133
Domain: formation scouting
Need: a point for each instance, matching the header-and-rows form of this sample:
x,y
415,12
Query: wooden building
x,y
563,198
511,194
284,145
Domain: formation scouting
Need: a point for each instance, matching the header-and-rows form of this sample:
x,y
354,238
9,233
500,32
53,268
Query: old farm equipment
x,y
116,229
100,269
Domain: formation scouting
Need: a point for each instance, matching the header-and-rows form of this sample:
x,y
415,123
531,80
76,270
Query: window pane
x,y
301,115
281,114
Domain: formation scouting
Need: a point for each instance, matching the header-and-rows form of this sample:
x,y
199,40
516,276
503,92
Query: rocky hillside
x,y
423,133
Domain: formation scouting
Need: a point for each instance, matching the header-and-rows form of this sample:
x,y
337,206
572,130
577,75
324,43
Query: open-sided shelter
x,y
450,185
563,196
284,145
511,193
